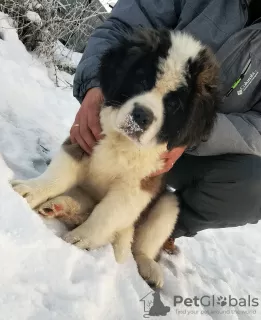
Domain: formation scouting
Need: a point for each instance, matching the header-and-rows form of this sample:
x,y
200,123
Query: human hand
x,y
86,129
170,157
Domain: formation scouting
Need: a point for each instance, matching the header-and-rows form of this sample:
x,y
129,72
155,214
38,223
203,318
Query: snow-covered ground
x,y
43,278
108,4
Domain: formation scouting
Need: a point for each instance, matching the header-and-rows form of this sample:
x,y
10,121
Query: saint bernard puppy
x,y
161,92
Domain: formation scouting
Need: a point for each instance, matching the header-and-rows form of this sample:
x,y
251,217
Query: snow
x,y
44,278
34,4
107,3
34,17
65,57
130,126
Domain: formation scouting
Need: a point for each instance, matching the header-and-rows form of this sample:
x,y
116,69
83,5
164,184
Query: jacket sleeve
x,y
125,15
234,133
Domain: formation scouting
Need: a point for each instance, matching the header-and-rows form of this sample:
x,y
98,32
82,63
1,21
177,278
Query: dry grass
x,y
69,21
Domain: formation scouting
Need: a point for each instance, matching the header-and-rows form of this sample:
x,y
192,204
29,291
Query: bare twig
x,y
69,21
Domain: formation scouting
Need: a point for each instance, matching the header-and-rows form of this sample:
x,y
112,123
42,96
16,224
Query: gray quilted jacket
x,y
221,24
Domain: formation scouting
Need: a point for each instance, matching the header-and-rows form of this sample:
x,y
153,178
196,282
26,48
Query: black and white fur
x,y
160,90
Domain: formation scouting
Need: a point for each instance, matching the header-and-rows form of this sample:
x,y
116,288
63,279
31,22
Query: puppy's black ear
x,y
204,81
190,111
114,67
130,67
206,71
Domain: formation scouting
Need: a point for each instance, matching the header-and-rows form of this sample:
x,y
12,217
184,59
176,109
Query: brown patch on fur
x,y
170,247
206,99
152,185
144,214
208,78
155,186
73,149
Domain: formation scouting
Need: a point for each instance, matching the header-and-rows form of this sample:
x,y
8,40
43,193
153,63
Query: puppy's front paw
x,y
122,244
83,238
121,253
28,190
150,271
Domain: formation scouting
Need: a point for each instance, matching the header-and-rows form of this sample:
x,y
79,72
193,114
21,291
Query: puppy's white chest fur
x,y
117,158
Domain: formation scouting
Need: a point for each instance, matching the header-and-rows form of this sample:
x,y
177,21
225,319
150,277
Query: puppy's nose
x,y
142,116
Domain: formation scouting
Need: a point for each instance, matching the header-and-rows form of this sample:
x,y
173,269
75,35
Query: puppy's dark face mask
x,y
160,87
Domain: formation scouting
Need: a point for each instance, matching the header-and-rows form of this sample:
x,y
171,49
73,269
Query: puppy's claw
x,y
71,238
77,241
84,237
82,244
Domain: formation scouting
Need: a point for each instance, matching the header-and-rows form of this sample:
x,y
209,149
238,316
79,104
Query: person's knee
x,y
249,190
233,190
245,167
247,181
227,196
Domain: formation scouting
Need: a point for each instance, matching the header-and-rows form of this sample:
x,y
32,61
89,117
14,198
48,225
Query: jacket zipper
x,y
241,77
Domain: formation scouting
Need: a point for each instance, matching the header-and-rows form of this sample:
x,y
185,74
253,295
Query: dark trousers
x,y
216,192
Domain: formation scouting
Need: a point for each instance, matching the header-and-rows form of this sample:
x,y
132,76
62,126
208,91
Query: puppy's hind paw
x,y
121,254
52,209
150,271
